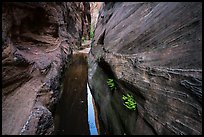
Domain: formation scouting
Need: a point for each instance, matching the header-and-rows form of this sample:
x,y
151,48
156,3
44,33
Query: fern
x,y
130,103
111,84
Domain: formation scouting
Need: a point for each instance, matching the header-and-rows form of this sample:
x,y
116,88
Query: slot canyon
x,y
101,68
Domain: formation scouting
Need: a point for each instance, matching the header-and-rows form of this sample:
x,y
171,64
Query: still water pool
x,y
74,113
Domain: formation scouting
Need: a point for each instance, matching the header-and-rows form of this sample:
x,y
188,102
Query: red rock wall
x,y
154,51
38,39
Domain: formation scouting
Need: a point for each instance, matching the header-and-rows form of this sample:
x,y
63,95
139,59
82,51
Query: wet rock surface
x,y
153,51
37,41
40,117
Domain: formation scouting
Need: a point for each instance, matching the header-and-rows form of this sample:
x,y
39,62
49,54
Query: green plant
x,y
130,103
111,84
91,33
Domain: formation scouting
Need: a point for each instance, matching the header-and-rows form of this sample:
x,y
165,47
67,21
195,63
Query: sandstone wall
x,y
37,42
152,50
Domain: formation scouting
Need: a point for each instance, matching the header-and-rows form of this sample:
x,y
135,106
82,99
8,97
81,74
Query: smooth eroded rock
x,y
152,50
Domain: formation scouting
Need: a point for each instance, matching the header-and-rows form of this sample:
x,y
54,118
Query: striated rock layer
x,y
37,41
152,50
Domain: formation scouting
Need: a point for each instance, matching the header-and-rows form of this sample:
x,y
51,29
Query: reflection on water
x,y
75,111
71,116
91,114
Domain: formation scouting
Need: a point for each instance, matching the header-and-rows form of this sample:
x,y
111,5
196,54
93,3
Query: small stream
x,y
75,112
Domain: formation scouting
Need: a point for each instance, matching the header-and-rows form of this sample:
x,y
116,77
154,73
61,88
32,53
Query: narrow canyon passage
x,y
71,115
101,68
